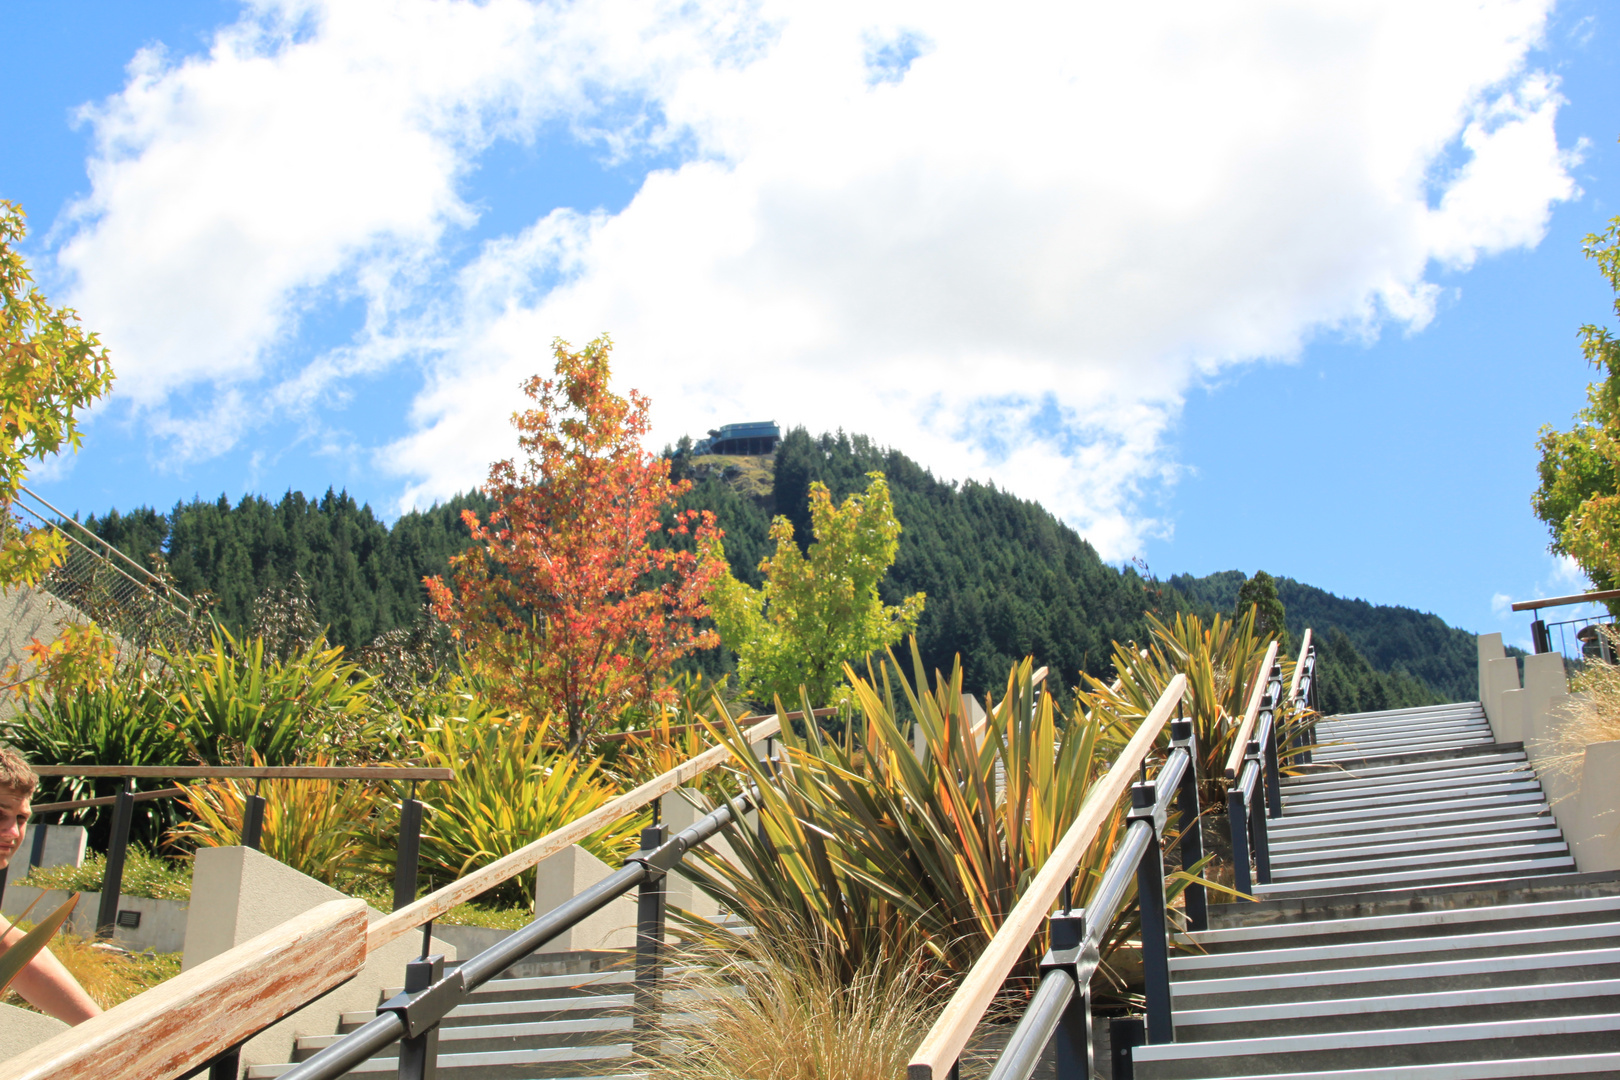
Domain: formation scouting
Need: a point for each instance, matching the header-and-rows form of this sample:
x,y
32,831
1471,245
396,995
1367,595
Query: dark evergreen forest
x,y
1004,578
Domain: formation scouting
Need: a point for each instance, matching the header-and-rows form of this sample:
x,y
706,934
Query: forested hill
x,y
1004,578
1392,639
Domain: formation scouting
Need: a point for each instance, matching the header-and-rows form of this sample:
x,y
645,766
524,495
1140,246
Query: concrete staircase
x,y
1424,920
514,1029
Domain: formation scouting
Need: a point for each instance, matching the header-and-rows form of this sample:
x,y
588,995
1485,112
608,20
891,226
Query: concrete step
x,y
1347,866
500,989
1456,706
1335,803
1332,791
1387,1048
567,1061
520,1010
1472,942
1572,1067
1346,750
1400,1011
1408,757
1398,979
1441,920
1358,732
489,1037
1406,814
1428,875
1421,772
1444,845
1313,774
1464,832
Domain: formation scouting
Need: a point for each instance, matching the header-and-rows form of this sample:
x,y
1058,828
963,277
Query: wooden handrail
x,y
1234,760
437,903
1299,665
107,800
1565,601
945,1040
182,1023
977,730
251,772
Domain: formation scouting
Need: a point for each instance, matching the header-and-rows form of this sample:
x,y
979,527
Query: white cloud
x,y
1501,605
1007,240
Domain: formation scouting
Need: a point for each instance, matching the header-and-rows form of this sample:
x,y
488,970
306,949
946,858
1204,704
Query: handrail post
x,y
419,1055
1259,839
1195,898
408,857
112,880
1238,824
253,820
1272,703
1071,1043
1150,901
650,923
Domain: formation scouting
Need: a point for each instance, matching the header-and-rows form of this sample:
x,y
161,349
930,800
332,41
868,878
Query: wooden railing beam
x,y
1234,760
945,1040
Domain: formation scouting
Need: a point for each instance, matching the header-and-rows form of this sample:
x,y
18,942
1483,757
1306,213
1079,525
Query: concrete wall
x,y
1584,794
21,1029
163,922
564,876
237,894
26,614
64,846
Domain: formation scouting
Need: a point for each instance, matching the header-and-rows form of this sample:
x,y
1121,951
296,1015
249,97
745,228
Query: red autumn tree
x,y
564,599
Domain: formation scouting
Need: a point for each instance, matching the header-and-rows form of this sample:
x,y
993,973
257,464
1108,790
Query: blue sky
x,y
1257,287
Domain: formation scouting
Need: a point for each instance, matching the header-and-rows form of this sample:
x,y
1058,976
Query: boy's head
x,y
17,784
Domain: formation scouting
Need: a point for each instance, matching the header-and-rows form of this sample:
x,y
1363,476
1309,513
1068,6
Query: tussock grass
x,y
1591,717
782,1010
110,975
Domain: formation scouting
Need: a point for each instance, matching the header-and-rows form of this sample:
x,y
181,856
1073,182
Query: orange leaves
x,y
583,587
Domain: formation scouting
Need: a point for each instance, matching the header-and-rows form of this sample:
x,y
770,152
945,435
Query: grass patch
x,y
145,874
496,918
110,975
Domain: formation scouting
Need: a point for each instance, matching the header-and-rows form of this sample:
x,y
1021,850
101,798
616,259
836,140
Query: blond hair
x,y
16,777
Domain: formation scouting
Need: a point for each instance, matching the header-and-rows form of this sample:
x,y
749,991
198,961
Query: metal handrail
x,y
1061,1005
430,994
942,1046
1059,1012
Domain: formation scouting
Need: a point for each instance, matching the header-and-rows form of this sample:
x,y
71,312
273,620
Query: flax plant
x,y
883,849
321,828
514,783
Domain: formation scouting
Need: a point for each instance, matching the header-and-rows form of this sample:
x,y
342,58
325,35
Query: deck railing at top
x,y
937,1056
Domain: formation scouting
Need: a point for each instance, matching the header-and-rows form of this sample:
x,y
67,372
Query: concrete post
x,y
1490,648
681,810
564,876
1506,714
1544,683
238,893
1595,838
63,845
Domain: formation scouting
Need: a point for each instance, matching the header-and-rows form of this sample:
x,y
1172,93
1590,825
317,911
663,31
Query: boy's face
x,y
14,811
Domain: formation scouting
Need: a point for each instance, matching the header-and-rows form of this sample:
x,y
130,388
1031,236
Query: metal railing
x,y
104,583
1059,1012
412,1018
1255,773
1594,646
941,1049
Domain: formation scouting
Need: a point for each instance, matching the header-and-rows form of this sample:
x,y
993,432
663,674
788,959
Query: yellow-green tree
x,y
50,369
1579,493
818,609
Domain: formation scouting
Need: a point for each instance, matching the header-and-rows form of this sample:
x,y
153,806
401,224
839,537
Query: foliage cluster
x,y
145,874
50,370
563,600
818,608
1579,491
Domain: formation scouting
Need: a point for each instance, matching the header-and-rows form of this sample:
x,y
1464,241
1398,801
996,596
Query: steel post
x,y
1272,773
419,1055
253,821
1125,1033
409,853
112,880
227,1064
1195,898
1261,843
1155,928
650,919
1238,823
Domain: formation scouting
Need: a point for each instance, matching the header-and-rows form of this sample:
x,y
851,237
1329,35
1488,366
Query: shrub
x,y
782,1009
512,785
322,828
145,874
878,853
232,699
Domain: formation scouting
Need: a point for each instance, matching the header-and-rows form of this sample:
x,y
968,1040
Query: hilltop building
x,y
755,438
